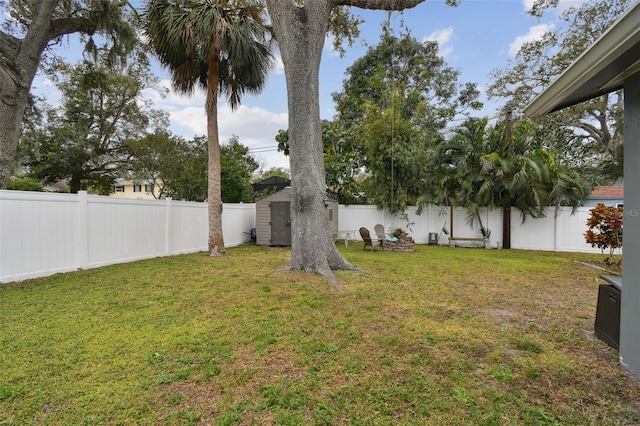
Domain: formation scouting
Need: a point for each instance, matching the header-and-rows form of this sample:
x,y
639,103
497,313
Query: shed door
x,y
280,223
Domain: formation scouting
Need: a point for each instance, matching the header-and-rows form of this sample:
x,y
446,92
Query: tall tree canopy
x,y
301,27
178,167
237,166
589,134
175,166
501,166
262,174
222,46
342,161
408,75
397,99
30,31
85,140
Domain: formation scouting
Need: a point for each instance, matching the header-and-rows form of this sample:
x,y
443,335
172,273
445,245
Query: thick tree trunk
x,y
214,197
300,29
13,102
75,184
300,32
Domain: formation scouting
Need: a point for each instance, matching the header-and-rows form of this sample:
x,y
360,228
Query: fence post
x,y
168,230
557,212
83,230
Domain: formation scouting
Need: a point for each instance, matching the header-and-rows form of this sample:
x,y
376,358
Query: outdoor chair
x,y
382,236
368,241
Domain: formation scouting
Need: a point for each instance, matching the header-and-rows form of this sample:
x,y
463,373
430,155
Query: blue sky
x,y
476,37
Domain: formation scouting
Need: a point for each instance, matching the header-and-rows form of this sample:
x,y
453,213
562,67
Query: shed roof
x,y
600,69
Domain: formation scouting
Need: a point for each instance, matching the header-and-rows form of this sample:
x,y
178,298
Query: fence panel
x,y
237,221
533,234
42,233
37,236
570,230
432,219
142,224
190,227
352,218
559,230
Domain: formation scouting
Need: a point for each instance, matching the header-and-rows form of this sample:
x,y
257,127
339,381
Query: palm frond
x,y
188,35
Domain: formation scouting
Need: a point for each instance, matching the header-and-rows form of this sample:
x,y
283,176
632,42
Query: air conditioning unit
x,y
607,327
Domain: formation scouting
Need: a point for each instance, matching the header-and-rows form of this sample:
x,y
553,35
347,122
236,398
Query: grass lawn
x,y
441,336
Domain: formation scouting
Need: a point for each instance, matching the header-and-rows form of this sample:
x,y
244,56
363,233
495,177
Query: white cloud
x,y
189,121
535,33
443,37
176,99
279,65
328,45
254,126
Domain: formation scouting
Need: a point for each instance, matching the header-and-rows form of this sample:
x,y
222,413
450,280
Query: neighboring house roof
x,y
271,180
600,69
615,192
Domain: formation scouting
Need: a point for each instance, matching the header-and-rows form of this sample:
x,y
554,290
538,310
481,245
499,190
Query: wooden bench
x,y
453,240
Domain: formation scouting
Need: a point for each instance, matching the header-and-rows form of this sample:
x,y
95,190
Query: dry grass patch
x,y
439,336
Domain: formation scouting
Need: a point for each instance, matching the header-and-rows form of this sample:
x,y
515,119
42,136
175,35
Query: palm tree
x,y
497,167
566,187
521,173
224,47
459,167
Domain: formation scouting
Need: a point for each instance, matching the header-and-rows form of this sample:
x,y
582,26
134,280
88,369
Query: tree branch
x,y
379,4
65,26
592,130
386,4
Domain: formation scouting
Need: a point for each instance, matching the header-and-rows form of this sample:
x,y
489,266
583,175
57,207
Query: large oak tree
x,y
301,27
29,31
397,100
85,138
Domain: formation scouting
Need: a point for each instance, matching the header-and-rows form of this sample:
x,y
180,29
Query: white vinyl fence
x,y
42,233
558,231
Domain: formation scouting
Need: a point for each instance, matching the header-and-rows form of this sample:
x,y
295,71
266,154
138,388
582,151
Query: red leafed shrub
x,y
605,227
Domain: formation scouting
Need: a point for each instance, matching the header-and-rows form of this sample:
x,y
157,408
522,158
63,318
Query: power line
x,y
263,149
